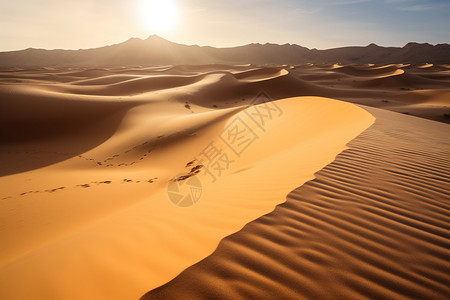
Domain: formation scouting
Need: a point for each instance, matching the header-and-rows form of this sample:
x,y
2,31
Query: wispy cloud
x,y
417,6
308,11
421,7
397,1
318,6
349,2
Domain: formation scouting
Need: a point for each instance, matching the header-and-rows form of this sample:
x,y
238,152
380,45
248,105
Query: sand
x,y
92,160
374,224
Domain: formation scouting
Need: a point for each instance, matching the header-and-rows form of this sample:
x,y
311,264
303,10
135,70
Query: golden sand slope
x,y
99,224
374,224
86,157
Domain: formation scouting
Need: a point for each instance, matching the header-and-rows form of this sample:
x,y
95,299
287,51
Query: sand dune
x,y
367,84
90,159
392,87
431,97
366,70
372,225
106,80
425,66
400,80
70,235
260,73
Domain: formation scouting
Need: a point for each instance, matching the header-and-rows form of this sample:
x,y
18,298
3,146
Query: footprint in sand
x,y
152,180
190,163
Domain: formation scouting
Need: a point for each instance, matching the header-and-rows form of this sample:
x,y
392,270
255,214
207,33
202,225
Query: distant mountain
x,y
157,51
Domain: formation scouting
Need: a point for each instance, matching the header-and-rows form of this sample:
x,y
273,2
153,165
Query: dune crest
x,y
146,240
373,224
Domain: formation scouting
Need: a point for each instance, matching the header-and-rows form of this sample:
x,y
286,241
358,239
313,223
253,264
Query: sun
x,y
159,16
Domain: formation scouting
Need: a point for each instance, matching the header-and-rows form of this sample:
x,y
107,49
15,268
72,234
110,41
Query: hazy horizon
x,y
191,44
321,24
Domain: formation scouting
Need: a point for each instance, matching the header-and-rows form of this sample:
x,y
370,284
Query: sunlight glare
x,y
159,16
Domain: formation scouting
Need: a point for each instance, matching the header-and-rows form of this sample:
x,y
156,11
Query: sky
x,y
321,24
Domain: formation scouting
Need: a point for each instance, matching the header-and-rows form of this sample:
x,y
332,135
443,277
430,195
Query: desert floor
x,y
216,181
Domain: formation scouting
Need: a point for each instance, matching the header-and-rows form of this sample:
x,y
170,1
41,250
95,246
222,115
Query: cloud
x,y
415,6
397,1
420,7
319,6
308,11
349,2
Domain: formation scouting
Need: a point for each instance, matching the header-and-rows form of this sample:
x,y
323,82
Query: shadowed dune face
x,y
109,210
89,164
39,127
372,225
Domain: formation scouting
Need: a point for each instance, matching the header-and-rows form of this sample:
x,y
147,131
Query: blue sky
x,y
315,24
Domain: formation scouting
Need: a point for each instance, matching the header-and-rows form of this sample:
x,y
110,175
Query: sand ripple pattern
x,y
374,224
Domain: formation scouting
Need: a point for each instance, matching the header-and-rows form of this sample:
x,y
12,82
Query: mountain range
x,y
157,51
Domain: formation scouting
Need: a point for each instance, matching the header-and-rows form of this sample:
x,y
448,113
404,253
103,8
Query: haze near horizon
x,y
314,24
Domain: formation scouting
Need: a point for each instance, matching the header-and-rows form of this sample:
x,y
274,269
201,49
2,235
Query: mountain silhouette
x,y
156,50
